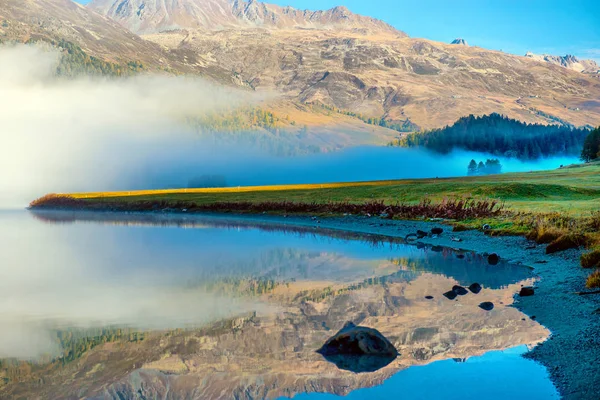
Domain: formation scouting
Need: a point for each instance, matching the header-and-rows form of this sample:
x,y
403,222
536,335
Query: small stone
x,y
493,259
459,290
487,306
526,291
450,295
437,231
421,234
475,288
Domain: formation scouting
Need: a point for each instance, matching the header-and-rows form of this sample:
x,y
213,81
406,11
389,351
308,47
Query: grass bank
x,y
559,207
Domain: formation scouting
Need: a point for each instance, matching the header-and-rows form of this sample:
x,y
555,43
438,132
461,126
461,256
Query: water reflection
x,y
229,309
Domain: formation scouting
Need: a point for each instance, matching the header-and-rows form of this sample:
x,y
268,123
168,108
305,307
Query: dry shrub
x,y
591,260
593,223
460,228
568,241
54,200
547,228
593,281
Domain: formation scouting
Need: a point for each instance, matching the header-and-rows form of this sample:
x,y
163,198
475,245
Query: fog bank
x,y
61,135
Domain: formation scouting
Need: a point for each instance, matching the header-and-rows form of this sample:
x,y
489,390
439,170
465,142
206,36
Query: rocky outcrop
x,y
568,61
459,41
152,16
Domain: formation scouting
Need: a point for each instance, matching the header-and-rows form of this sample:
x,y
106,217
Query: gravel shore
x,y
572,354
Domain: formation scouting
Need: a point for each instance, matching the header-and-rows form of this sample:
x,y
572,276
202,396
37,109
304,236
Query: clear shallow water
x,y
218,307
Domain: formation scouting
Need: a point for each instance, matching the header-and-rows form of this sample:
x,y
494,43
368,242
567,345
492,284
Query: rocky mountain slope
x,y
382,76
333,70
152,16
370,69
53,21
568,61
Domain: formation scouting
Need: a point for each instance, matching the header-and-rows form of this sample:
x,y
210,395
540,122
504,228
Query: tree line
x,y
501,136
490,167
591,146
401,126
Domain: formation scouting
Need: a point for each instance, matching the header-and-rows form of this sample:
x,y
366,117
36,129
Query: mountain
x,y
568,61
460,41
76,28
153,16
358,65
429,84
340,79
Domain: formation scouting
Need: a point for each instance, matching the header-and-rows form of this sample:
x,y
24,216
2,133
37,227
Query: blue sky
x,y
556,27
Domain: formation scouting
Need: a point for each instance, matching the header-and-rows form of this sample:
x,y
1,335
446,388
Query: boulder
x,y
358,340
429,297
459,290
493,259
487,306
475,288
526,291
358,349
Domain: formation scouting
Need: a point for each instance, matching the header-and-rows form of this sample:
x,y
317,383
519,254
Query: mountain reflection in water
x,y
230,308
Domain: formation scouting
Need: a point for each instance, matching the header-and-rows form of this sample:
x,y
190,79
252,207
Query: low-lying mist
x,y
77,134
74,135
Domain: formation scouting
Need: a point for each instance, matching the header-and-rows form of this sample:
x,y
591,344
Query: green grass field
x,y
573,191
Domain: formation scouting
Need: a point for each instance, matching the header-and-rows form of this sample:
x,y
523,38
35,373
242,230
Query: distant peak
x,y
568,61
460,41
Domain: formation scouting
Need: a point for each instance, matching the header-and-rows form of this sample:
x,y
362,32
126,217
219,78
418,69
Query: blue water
x,y
63,271
494,375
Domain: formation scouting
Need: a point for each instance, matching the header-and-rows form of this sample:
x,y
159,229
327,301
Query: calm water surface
x,y
109,306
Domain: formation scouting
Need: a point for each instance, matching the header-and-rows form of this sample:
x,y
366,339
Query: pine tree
x,y
472,168
481,168
591,146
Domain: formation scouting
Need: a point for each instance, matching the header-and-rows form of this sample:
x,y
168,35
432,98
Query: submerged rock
x,y
526,291
493,259
459,290
487,306
475,288
461,256
358,349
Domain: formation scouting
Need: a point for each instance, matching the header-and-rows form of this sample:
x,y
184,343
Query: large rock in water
x,y
358,349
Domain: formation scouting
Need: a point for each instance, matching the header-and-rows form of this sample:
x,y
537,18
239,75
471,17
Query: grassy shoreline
x,y
560,207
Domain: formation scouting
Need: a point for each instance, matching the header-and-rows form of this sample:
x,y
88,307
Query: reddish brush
x,y
456,209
